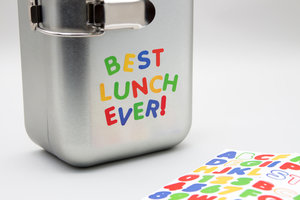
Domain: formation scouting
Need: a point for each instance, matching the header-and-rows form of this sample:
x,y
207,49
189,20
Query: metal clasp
x,y
101,15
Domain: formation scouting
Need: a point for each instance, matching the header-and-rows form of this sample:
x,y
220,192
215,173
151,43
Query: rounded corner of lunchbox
x,y
76,155
183,133
68,156
37,135
32,136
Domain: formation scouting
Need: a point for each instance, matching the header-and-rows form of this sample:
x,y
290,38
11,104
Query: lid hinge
x,y
36,14
95,14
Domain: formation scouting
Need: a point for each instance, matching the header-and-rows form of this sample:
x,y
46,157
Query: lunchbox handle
x,y
100,17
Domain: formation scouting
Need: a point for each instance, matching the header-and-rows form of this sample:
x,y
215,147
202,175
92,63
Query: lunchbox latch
x,y
101,15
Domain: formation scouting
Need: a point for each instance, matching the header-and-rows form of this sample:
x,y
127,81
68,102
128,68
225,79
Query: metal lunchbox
x,y
106,79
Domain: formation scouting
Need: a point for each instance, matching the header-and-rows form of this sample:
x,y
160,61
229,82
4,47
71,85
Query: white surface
x,y
246,96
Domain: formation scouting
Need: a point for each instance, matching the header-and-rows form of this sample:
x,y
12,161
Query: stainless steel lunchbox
x,y
106,79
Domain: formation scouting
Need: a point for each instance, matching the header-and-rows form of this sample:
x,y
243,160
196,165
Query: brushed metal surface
x,y
61,76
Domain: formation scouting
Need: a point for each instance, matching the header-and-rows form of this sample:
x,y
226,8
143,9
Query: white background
x,y
246,97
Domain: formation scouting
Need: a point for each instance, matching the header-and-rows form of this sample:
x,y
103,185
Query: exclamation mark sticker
x,y
163,105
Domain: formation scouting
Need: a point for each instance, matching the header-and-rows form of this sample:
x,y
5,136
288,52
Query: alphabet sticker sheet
x,y
237,175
